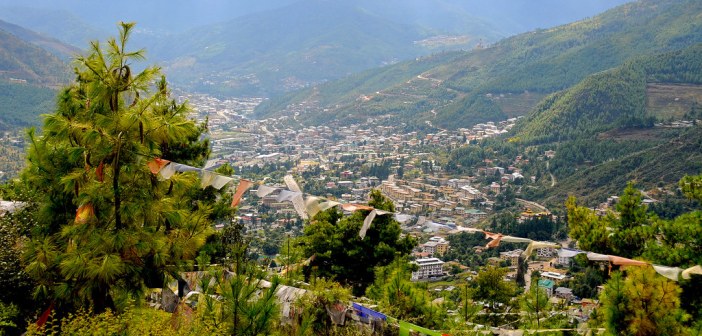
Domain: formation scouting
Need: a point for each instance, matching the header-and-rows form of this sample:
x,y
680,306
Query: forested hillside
x,y
612,99
659,165
21,105
543,61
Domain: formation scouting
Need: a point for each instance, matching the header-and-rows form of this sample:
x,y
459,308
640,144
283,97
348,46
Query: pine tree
x,y
107,226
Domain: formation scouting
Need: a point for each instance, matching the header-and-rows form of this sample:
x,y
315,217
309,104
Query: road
x,y
534,204
553,178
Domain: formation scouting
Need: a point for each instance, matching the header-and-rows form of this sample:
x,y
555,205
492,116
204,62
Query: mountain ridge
x,y
542,61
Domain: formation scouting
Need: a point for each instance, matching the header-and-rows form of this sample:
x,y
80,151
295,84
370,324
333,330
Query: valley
x,y
313,167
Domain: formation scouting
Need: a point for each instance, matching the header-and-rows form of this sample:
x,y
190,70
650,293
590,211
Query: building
x,y
512,256
553,276
428,268
547,285
436,246
545,252
564,293
495,187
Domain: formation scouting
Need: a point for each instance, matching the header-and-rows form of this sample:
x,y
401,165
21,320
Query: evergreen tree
x,y
342,255
107,227
643,303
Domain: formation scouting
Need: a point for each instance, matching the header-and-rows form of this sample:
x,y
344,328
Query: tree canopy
x,y
106,226
341,254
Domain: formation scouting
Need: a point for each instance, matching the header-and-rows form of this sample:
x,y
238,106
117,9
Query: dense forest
x,y
21,105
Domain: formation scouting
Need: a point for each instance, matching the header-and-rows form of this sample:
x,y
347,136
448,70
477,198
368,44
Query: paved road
x,y
534,204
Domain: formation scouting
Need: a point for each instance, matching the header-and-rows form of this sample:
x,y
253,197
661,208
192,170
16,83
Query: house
x,y
553,276
475,213
564,293
547,285
545,252
511,256
428,268
495,187
435,246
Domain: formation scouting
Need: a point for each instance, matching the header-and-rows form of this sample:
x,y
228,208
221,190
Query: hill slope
x,y
664,163
541,62
608,100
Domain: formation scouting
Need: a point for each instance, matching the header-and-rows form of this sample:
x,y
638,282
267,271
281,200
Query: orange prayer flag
x,y
157,164
355,207
490,235
495,242
243,186
621,261
84,213
99,171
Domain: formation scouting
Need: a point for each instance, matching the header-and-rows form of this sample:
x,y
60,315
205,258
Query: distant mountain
x,y
509,77
307,42
56,23
252,47
52,45
29,75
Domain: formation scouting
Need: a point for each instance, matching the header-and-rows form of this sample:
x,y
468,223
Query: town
x,y
345,162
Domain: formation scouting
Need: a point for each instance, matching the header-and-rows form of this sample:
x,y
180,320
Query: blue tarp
x,y
368,313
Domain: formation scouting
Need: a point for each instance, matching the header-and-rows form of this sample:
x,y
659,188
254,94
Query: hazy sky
x,y
180,15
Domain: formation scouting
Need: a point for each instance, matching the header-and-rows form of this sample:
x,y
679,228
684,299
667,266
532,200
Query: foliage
x,y
495,293
342,255
324,294
643,303
21,105
462,249
238,302
409,301
626,233
541,228
8,318
133,321
107,227
535,303
585,282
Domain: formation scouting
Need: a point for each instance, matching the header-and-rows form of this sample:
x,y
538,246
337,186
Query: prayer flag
x,y
156,165
243,186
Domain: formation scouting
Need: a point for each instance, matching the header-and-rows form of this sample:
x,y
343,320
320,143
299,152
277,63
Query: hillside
x,y
466,89
662,164
28,76
21,105
616,98
56,23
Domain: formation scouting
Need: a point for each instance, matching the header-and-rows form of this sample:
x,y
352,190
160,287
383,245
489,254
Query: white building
x,y
429,267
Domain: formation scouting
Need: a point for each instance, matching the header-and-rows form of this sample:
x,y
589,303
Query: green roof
x,y
545,283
